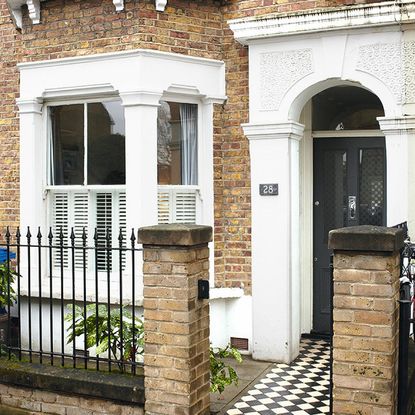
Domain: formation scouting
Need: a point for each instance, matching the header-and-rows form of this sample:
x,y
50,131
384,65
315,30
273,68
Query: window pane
x,y
106,143
177,144
346,108
67,144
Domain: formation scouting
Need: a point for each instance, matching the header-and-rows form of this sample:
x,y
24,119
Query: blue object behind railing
x,y
3,255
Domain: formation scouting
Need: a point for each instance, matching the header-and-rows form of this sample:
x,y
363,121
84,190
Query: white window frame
x,y
197,190
91,190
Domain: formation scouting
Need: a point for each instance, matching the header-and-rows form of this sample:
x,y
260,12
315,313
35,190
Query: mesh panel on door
x,y
335,190
371,186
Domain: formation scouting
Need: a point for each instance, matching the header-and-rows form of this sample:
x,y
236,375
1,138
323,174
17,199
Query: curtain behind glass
x,y
188,116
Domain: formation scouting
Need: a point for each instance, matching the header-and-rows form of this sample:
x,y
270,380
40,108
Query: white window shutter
x,y
122,222
79,207
103,222
89,209
184,207
177,205
164,206
60,222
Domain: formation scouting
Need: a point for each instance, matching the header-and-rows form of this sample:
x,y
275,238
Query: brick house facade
x,y
239,34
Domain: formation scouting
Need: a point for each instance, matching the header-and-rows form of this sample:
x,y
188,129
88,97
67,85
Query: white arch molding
x,y
286,69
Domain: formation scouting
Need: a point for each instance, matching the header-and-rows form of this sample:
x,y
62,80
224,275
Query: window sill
x,y
224,293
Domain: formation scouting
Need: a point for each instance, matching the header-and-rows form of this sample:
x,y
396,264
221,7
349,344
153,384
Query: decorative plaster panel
x,y
392,64
409,74
280,71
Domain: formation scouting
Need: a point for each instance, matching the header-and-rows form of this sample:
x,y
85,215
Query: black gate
x,y
406,370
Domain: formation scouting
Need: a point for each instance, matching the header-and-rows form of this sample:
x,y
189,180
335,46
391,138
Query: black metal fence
x,y
406,335
71,299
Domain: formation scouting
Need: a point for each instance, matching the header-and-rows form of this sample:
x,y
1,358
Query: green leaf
x,y
222,374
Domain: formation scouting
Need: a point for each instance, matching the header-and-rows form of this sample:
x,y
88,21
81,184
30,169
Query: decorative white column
x,y
274,150
141,157
400,169
31,164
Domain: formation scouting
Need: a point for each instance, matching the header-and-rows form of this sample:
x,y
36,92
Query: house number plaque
x,y
270,189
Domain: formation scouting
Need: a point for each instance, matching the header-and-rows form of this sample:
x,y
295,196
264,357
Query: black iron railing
x,y
331,334
71,299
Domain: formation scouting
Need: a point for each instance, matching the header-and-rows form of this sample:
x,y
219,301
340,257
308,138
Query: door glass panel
x,y
371,186
335,190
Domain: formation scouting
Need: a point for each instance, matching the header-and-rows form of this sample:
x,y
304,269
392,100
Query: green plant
x,y
104,333
99,335
7,279
221,373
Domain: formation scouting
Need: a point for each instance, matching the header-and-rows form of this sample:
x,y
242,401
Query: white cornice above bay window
x,y
346,17
33,7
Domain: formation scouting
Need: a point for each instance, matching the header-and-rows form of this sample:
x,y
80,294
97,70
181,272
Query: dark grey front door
x,y
349,190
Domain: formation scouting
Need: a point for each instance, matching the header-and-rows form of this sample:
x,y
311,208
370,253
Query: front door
x,y
349,190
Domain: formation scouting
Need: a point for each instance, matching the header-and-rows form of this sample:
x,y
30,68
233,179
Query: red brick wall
x,y
93,26
9,134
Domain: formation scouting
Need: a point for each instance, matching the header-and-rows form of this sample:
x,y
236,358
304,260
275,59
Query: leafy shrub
x,y
104,336
7,278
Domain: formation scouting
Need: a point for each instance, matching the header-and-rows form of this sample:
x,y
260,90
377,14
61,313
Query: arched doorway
x,y
349,177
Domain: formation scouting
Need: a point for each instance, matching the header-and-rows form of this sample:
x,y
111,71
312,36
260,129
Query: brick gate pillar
x,y
176,322
365,343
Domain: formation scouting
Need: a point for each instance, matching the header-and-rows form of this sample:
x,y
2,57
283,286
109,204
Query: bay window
x,y
177,162
86,169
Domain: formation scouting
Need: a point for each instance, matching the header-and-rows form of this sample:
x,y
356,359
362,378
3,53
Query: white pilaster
x,y
141,157
274,152
31,163
206,178
400,169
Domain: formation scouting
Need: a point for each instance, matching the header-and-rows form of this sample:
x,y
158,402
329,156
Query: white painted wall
x,y
230,316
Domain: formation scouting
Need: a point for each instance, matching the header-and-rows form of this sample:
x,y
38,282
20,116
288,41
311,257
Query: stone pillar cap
x,y
175,234
366,238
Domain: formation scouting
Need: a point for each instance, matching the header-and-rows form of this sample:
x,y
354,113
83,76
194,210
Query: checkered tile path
x,y
300,388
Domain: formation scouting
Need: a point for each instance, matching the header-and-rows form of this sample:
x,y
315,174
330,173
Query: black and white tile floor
x,y
300,388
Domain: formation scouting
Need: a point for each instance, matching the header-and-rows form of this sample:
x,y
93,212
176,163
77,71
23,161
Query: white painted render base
x,y
230,316
291,59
